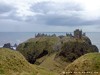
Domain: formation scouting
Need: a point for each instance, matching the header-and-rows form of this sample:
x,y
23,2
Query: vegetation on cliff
x,y
72,50
68,48
38,47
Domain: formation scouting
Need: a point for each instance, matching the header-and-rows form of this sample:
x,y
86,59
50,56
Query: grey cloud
x,y
45,7
70,18
13,25
11,15
5,8
7,12
56,18
61,20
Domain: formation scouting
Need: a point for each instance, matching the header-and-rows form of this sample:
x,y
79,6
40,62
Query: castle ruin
x,y
78,34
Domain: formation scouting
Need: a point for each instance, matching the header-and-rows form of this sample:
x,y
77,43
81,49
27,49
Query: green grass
x,y
44,71
87,63
51,64
14,63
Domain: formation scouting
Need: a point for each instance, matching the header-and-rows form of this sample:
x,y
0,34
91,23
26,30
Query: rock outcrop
x,y
73,50
38,47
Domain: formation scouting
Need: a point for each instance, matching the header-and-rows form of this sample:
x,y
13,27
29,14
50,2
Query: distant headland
x,y
51,55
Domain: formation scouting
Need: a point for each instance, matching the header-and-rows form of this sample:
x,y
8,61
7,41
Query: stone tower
x,y
78,34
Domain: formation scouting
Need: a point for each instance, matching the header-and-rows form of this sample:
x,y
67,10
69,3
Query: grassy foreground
x,y
13,63
88,64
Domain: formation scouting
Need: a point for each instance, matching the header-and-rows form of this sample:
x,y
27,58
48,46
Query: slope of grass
x,y
13,63
87,63
51,64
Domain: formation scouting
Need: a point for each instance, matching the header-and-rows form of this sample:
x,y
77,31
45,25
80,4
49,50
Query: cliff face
x,y
67,48
72,50
38,47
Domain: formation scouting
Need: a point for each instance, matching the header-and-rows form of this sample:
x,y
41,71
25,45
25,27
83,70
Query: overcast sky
x,y
49,15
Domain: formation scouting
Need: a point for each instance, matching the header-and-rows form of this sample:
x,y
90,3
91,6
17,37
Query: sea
x,y
19,37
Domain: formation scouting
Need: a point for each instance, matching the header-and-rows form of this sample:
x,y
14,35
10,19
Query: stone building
x,y
78,34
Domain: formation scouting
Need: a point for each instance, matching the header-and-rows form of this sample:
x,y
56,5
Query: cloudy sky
x,y
49,15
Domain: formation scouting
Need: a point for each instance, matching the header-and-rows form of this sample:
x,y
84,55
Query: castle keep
x,y
78,34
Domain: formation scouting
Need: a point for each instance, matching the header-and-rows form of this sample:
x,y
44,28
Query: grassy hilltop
x,y
13,63
87,63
